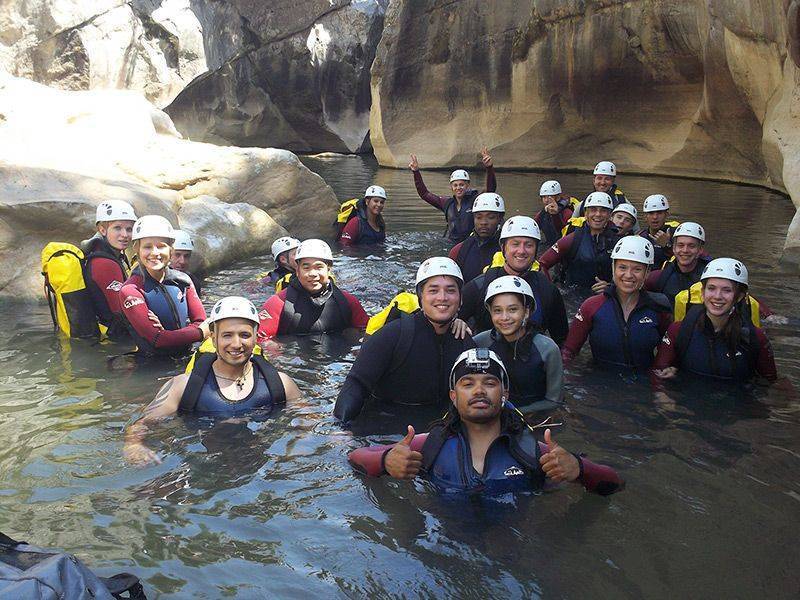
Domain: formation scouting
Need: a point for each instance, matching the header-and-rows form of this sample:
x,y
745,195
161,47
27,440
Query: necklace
x,y
238,381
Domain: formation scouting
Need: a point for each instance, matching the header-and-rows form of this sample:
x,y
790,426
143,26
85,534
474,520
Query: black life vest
x,y
459,222
367,235
301,315
98,247
590,256
672,281
203,395
475,254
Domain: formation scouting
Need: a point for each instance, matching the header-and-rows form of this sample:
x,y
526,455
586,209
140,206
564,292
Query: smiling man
x,y
407,361
475,253
311,302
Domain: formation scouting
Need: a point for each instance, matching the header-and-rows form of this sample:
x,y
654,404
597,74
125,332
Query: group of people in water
x,y
482,338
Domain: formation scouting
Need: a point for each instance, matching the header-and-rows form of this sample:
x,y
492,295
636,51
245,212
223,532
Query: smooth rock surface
x,y
65,152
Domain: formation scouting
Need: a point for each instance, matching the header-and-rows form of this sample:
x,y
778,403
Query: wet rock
x,y
153,46
294,75
65,152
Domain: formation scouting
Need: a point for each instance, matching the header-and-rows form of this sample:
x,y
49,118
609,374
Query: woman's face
x,y
720,295
375,205
118,233
154,253
629,276
508,313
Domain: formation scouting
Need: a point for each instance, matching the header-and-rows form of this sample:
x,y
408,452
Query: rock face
x,y
65,152
153,46
288,74
704,89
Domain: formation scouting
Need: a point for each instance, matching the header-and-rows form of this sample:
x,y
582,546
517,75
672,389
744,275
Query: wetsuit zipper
x,y
626,343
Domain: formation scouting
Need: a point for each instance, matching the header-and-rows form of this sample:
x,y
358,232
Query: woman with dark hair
x,y
714,340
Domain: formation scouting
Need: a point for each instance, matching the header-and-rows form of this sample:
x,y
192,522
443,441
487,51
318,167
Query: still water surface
x,y
270,507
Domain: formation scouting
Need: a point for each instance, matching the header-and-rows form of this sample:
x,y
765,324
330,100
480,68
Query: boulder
x,y
152,46
294,75
65,152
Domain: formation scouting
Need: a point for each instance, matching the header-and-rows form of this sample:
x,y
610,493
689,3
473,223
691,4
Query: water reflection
x,y
270,506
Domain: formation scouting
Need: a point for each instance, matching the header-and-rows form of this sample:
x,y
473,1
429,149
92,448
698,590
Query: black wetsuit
x,y
474,254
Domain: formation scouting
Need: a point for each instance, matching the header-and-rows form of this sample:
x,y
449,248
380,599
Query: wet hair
x,y
731,332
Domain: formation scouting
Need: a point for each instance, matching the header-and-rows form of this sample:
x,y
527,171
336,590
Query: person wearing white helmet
x,y
585,253
659,229
715,339
164,313
181,254
311,302
682,272
457,208
519,241
624,218
232,380
482,444
624,323
407,361
475,253
557,209
107,266
604,180
366,225
533,360
283,251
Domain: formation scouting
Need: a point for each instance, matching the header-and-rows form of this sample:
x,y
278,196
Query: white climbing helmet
x,y
628,208
489,202
375,191
635,248
182,241
605,167
600,199
520,227
509,284
114,210
153,226
459,175
314,248
726,268
655,202
550,188
478,360
438,265
690,229
233,306
283,244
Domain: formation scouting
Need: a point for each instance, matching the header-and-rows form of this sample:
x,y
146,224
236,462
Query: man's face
x,y
486,223
597,217
603,183
519,252
686,250
548,200
313,274
656,219
459,187
118,233
287,259
623,221
440,298
478,398
234,340
180,260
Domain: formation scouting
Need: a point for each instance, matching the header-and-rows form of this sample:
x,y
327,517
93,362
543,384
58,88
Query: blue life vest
x,y
459,222
167,299
616,343
672,281
367,235
590,256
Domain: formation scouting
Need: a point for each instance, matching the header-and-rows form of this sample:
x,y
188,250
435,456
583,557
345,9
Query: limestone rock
x,y
65,152
152,46
294,75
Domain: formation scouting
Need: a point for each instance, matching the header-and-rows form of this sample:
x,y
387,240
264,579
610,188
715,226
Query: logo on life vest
x,y
645,320
513,472
180,295
132,301
665,340
114,286
579,316
555,248
264,315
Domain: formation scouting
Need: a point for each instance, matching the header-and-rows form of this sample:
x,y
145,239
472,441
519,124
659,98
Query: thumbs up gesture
x,y
557,463
401,461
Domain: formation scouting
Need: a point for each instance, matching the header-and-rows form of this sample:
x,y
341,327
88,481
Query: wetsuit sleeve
x,y
557,325
197,313
358,316
765,363
596,478
350,233
373,360
135,309
491,180
666,355
581,327
553,367
369,460
269,317
108,276
422,191
453,254
555,254
651,283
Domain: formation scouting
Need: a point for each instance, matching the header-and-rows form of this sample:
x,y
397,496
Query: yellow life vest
x,y
694,295
573,224
402,302
208,347
498,260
